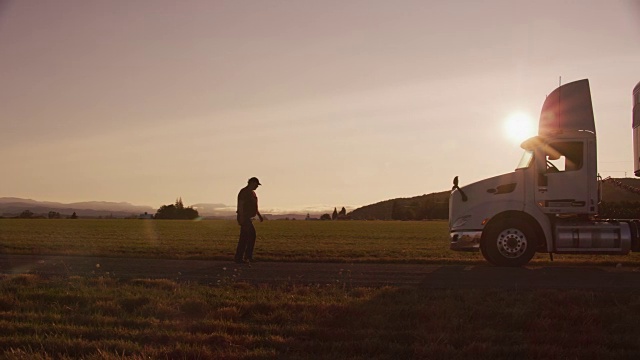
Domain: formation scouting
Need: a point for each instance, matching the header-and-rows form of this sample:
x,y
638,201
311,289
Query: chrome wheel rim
x,y
512,243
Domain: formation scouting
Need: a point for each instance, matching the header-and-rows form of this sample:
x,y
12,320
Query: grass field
x,y
277,240
104,318
308,241
111,318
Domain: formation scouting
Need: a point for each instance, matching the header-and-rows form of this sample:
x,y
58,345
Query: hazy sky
x,y
330,103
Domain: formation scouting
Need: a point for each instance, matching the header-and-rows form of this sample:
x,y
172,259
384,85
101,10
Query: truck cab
x,y
549,203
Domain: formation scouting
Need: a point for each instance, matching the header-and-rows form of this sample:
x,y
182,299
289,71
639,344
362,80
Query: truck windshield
x,y
525,161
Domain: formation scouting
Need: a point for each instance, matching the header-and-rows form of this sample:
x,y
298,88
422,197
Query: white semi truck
x,y
550,202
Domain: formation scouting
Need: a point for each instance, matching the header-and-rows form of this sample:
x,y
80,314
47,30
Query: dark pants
x,y
246,242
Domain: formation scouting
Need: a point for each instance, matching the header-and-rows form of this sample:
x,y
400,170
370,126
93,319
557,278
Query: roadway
x,y
421,275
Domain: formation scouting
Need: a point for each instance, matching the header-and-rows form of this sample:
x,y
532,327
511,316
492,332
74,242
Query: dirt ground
x,y
429,276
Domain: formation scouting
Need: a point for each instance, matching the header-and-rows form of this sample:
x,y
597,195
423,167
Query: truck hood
x,y
500,192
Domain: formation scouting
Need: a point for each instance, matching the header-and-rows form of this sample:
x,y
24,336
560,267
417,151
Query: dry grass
x,y
107,319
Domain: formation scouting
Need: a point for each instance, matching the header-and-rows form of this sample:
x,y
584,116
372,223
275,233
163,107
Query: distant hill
x,y
436,205
431,206
215,210
616,190
10,206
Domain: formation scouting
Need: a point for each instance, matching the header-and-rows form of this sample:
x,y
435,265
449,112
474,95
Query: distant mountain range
x,y
214,210
10,206
431,206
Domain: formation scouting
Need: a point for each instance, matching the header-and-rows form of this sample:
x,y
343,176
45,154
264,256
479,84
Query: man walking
x,y
247,209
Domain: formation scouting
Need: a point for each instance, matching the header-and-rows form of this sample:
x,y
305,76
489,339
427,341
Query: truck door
x,y
563,177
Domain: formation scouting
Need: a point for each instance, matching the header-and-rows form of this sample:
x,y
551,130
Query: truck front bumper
x,y
465,240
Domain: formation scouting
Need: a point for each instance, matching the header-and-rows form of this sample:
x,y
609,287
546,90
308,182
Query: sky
x,y
329,103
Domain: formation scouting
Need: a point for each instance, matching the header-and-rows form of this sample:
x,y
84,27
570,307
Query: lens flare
x,y
519,126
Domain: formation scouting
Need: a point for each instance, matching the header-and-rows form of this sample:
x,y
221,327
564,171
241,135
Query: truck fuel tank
x,y
601,237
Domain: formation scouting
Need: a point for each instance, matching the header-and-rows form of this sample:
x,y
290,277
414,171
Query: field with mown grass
x,y
216,239
303,241
111,318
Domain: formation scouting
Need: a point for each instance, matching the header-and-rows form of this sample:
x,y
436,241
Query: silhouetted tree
x,y
334,216
27,214
325,217
343,212
189,213
176,212
53,215
166,212
73,216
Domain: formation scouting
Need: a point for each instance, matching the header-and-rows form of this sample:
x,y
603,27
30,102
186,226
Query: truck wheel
x,y
510,243
485,254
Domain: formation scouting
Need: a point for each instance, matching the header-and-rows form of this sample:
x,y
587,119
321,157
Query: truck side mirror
x,y
455,186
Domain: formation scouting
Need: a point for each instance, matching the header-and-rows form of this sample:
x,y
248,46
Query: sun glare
x,y
519,126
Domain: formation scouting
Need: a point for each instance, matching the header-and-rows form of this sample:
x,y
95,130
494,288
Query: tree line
x,y
619,210
417,210
400,210
176,211
28,214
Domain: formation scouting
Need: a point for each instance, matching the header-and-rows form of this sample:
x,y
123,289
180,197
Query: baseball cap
x,y
254,179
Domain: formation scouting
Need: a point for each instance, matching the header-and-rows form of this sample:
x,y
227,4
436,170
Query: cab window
x,y
564,156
